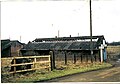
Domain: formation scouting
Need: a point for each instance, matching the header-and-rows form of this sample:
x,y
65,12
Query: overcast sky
x,y
43,19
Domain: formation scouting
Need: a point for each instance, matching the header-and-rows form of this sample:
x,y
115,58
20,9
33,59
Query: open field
x,y
113,49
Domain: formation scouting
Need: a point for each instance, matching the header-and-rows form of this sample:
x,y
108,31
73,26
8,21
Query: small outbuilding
x,y
10,47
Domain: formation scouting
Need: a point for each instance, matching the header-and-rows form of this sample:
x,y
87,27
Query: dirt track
x,y
104,75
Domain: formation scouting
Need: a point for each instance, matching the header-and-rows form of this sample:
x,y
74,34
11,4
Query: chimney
x,y
55,36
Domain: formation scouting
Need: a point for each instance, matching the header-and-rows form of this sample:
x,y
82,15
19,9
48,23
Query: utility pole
x,y
91,43
58,33
20,38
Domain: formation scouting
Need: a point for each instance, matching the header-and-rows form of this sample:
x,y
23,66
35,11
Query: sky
x,y
42,19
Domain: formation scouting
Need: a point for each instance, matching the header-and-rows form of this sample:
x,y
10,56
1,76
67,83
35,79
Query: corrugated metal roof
x,y
64,43
59,46
67,38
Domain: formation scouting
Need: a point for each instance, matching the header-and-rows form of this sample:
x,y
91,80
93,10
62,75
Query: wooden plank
x,y
29,69
22,70
26,70
42,68
21,64
33,57
10,58
30,63
42,62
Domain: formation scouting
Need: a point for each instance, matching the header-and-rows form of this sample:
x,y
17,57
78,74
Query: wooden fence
x,y
34,63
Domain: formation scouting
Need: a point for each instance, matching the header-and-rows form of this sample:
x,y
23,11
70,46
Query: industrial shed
x,y
66,48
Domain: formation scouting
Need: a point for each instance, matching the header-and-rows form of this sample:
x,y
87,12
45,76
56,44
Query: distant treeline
x,y
114,43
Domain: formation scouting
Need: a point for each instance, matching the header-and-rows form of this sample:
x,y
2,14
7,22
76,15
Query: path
x,y
104,75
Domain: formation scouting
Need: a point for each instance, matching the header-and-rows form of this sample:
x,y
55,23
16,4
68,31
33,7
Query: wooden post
x,y
95,58
14,66
74,59
34,63
87,58
99,57
52,58
91,58
65,58
81,58
49,63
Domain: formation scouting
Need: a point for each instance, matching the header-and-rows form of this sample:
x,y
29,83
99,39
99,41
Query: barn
x,y
73,48
10,47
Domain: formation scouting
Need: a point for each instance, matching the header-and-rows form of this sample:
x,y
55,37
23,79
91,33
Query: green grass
x,y
40,76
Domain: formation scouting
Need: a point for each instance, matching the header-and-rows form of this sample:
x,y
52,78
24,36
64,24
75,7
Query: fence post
x,y
49,63
74,59
52,58
65,58
34,63
87,58
14,66
95,58
92,59
81,58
